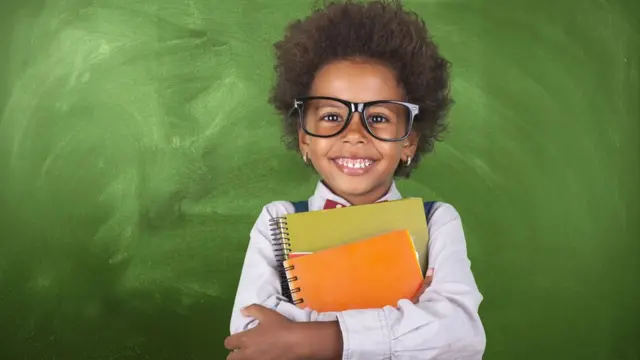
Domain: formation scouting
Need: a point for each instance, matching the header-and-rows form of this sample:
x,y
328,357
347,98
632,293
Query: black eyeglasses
x,y
385,120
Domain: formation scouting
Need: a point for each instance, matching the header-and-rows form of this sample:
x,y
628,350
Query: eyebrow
x,y
326,103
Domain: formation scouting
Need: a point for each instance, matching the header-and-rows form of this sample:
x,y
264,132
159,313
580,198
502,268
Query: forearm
x,y
318,340
435,329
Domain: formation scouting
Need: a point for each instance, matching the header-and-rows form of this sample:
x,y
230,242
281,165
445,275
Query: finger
x,y
423,287
430,272
428,279
234,341
236,355
260,312
416,296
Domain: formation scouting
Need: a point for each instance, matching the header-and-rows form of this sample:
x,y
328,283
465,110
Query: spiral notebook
x,y
365,274
304,233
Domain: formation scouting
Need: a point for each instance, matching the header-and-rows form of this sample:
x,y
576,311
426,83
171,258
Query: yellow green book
x,y
312,231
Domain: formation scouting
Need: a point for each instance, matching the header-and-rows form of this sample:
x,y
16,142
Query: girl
x,y
363,93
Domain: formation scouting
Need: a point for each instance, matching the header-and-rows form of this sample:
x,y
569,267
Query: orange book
x,y
365,274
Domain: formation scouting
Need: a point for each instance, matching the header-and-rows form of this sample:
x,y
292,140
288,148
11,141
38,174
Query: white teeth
x,y
354,163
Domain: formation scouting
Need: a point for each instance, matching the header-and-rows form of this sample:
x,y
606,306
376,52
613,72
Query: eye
x,y
331,117
376,119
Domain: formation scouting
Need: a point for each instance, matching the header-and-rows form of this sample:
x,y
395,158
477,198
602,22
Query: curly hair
x,y
381,31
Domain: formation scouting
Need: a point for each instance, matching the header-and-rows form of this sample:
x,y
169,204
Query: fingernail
x,y
430,272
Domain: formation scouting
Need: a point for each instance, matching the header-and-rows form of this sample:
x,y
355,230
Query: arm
x,y
259,281
444,324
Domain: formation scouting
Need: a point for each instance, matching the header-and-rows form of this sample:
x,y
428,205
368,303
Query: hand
x,y
271,339
425,284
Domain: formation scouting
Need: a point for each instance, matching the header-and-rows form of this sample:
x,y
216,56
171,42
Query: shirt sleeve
x,y
259,280
443,325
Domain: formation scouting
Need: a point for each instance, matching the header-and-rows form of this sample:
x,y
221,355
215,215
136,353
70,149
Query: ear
x,y
303,142
410,145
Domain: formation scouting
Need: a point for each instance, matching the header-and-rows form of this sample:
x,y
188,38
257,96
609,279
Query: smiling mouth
x,y
354,166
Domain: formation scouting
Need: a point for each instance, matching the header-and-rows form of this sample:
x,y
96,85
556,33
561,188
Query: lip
x,y
353,171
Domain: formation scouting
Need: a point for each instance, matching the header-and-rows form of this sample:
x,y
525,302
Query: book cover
x,y
312,231
370,273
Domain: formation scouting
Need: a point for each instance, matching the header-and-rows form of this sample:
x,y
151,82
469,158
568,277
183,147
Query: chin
x,y
352,186
355,189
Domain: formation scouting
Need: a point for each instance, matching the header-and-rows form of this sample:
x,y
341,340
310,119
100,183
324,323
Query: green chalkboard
x,y
137,148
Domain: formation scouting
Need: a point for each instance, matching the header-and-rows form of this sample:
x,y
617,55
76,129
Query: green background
x,y
137,148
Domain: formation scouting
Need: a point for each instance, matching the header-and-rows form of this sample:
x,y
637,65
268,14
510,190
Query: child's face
x,y
354,164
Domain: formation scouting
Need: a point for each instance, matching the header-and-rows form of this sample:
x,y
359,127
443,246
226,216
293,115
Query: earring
x,y
408,161
304,158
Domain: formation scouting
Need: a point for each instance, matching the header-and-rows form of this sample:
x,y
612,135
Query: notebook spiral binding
x,y
291,280
281,248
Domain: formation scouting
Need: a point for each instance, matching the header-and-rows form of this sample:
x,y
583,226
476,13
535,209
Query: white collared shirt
x,y
444,324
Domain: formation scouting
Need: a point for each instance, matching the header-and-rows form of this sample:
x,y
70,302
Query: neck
x,y
368,197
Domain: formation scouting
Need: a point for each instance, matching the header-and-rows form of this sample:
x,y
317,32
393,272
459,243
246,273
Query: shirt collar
x,y
323,195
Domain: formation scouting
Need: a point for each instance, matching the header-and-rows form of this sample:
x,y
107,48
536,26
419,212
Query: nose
x,y
355,133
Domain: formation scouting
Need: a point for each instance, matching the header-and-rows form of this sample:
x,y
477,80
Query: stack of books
x,y
357,257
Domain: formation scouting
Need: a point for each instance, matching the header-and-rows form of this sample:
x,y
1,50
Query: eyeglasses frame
x,y
353,108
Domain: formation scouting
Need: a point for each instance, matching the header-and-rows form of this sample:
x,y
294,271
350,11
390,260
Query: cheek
x,y
390,151
320,147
